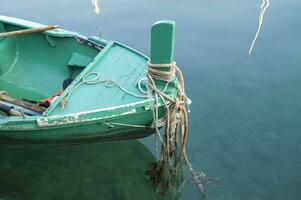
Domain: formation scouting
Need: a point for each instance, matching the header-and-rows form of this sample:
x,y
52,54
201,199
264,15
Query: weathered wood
x,y
14,112
9,110
22,103
28,31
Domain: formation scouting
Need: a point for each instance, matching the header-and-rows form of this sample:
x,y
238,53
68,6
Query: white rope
x,y
96,6
264,6
94,78
110,83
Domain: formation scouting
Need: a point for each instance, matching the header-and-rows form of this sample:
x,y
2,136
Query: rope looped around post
x,y
174,140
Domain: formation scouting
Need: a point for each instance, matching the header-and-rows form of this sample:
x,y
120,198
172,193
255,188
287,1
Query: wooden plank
x,y
28,31
22,103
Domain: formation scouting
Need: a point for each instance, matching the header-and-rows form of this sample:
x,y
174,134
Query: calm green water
x,y
107,171
245,120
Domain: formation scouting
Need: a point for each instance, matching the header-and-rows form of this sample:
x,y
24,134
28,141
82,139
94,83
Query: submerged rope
x,y
174,141
264,6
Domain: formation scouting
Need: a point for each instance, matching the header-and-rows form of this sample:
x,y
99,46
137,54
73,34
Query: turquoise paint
x,y
162,42
39,69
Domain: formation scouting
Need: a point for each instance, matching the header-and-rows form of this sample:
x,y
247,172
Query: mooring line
x,y
96,6
264,6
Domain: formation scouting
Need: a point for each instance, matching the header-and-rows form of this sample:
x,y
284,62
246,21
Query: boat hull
x,y
95,138
132,126
113,107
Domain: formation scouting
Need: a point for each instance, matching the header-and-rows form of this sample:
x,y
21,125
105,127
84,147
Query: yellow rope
x,y
155,71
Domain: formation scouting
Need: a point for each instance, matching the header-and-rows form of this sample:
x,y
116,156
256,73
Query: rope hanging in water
x,y
264,6
174,141
96,6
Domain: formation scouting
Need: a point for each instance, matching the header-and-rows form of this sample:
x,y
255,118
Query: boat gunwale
x,y
38,120
59,121
30,24
59,32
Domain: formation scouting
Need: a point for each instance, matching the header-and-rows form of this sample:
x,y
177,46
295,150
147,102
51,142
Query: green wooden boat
x,y
106,99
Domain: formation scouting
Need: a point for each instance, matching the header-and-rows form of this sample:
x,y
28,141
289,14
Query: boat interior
x,y
34,66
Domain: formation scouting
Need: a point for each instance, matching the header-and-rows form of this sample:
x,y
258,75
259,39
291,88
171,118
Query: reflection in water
x,y
264,6
96,6
113,170
245,122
